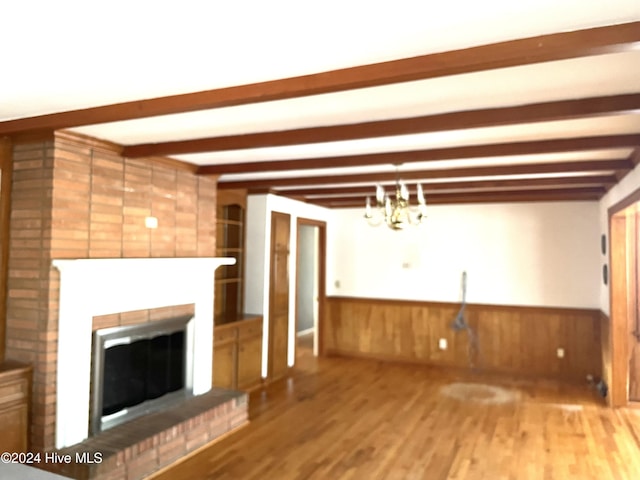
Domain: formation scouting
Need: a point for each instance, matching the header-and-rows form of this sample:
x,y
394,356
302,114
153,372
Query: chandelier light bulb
x,y
379,195
367,209
404,192
420,195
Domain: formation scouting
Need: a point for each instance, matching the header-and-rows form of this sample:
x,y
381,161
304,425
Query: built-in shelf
x,y
237,350
230,242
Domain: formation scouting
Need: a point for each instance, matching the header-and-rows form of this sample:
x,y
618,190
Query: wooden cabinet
x,y
15,388
249,367
224,360
237,354
237,337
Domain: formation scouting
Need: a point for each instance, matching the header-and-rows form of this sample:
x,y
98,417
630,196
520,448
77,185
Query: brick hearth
x,y
147,444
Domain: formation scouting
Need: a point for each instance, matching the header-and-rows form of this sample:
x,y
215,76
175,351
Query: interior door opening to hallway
x,y
309,286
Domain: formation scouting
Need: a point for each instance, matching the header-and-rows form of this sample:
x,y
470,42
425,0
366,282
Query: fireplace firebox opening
x,y
140,369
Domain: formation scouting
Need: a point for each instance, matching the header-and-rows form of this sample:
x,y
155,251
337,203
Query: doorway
x,y
624,224
310,288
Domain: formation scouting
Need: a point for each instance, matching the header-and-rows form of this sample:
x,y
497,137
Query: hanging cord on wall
x,y
460,323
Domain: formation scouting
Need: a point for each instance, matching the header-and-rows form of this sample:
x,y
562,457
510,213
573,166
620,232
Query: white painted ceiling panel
x,y
71,54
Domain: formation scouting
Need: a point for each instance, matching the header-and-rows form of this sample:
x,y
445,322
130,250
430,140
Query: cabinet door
x,y
250,362
224,364
14,428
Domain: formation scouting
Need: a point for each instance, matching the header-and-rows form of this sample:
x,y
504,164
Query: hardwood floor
x,y
339,418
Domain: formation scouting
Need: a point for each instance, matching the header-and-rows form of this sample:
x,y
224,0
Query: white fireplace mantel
x,y
91,287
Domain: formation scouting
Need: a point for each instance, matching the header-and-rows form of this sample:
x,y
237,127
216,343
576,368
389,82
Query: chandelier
x,y
396,212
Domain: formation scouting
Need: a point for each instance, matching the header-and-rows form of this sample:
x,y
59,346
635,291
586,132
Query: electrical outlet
x,y
560,353
442,344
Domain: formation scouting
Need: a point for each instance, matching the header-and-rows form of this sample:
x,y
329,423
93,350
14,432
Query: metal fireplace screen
x,y
138,369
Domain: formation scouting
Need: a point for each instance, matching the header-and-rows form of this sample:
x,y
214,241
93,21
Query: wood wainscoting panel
x,y
510,339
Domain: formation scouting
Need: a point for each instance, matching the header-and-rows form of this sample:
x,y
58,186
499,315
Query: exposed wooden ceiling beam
x,y
634,159
544,48
565,181
588,193
524,169
445,153
635,156
488,117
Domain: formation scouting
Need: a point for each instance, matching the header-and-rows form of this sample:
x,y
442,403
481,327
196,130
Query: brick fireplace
x,y
75,197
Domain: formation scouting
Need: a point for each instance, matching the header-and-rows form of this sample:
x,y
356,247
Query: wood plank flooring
x,y
339,418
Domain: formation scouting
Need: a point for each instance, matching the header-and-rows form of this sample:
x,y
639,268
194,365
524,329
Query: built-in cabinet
x,y
237,337
237,354
15,387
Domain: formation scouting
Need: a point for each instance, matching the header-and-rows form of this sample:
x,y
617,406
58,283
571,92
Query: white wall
x,y
544,254
259,208
257,228
628,185
539,254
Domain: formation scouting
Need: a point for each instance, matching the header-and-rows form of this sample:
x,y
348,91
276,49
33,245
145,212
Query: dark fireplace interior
x,y
138,369
142,370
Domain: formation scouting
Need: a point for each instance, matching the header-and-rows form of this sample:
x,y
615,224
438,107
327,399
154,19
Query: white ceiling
x,y
67,55
605,75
